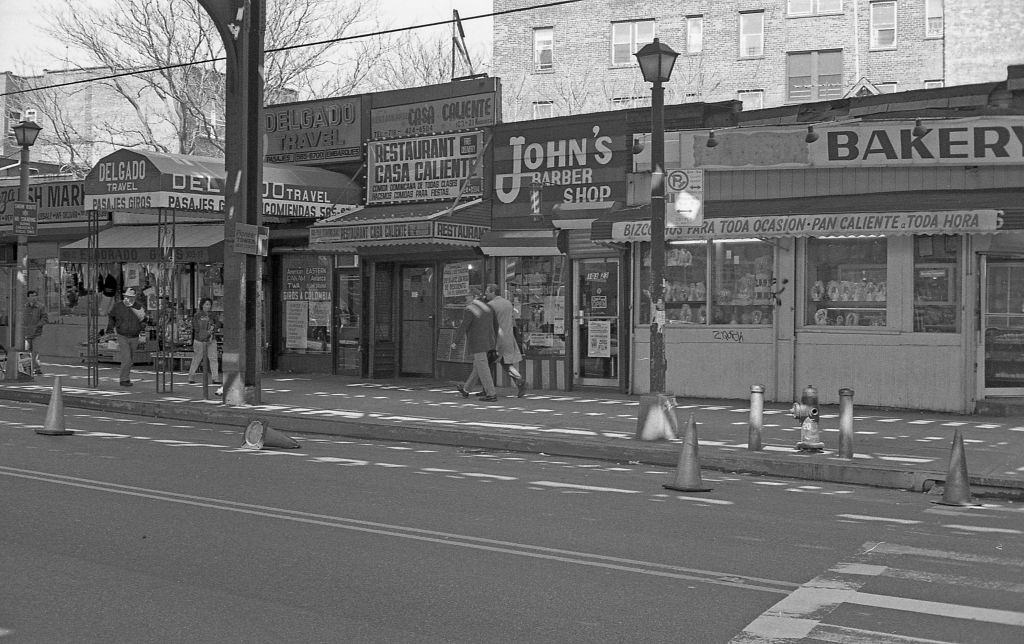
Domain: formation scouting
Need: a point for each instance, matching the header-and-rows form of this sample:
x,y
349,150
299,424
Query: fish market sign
x,y
951,222
427,168
57,202
430,117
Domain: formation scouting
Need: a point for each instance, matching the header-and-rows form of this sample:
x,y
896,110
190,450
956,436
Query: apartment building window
x,y
934,84
752,99
694,34
543,109
543,48
883,25
814,7
627,102
752,34
886,88
933,19
814,76
628,38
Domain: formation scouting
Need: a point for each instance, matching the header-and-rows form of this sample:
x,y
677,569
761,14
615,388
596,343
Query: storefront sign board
x,y
889,223
313,132
251,240
972,141
57,202
430,117
402,231
427,168
577,161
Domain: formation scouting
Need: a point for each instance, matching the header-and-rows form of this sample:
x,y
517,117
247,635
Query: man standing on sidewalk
x,y
34,321
506,345
127,317
478,327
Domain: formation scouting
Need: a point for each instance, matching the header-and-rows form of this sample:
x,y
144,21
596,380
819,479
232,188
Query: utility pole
x,y
242,24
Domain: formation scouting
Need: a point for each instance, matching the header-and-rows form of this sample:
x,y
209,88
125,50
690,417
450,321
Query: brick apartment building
x,y
578,57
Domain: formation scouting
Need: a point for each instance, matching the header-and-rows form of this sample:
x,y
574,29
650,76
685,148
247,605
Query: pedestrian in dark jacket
x,y
128,318
33,322
479,328
204,341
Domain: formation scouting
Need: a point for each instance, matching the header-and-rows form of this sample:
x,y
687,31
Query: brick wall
x,y
583,79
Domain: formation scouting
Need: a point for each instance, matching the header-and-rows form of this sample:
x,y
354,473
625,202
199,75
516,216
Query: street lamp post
x,y
656,60
25,133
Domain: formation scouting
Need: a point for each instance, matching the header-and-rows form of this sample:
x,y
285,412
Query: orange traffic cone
x,y
688,471
657,419
958,489
258,436
54,425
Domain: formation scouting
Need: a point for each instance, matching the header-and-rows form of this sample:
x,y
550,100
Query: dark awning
x,y
521,243
405,225
578,216
143,181
192,243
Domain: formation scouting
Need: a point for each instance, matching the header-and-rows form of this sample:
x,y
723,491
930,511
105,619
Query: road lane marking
x,y
864,517
588,488
449,539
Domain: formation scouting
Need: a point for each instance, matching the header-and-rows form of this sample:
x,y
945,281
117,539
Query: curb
x,y
663,454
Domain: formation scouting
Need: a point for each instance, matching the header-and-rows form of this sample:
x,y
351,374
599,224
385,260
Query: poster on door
x,y
456,280
296,323
599,339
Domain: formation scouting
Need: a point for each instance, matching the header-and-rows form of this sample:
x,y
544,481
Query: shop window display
x,y
847,282
726,283
536,288
306,294
457,278
936,283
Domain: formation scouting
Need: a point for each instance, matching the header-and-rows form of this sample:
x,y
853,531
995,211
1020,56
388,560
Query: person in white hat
x,y
128,318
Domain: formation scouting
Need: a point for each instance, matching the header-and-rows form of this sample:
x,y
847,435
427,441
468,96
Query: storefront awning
x,y
579,216
634,225
141,181
192,243
405,225
521,243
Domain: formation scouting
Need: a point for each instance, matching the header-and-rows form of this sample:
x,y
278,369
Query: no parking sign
x,y
686,194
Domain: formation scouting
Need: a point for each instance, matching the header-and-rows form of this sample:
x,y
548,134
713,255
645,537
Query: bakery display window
x,y
846,282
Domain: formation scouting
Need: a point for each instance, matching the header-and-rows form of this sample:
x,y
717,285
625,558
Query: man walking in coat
x,y
506,345
33,322
479,328
127,317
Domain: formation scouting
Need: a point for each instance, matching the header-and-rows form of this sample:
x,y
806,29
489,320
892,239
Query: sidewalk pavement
x,y
894,449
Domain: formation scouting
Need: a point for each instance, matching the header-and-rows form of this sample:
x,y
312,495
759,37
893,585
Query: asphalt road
x,y
140,531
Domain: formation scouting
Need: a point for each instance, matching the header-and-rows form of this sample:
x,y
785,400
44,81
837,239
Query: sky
x,y
24,48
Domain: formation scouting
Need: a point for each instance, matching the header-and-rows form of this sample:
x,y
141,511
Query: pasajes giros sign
x,y
425,168
571,162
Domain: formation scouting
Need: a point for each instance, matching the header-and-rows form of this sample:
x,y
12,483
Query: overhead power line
x,y
384,32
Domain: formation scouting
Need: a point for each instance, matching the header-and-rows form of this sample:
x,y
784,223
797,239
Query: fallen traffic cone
x,y
258,436
54,425
656,419
688,471
957,489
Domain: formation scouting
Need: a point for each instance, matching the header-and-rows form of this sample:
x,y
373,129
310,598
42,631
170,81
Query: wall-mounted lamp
x,y
712,141
919,130
812,136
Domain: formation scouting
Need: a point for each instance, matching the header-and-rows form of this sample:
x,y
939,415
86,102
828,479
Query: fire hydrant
x,y
806,411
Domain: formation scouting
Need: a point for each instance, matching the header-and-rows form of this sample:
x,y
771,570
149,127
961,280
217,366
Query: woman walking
x,y
204,343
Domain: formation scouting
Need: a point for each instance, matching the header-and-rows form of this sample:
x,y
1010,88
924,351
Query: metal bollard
x,y
756,421
846,423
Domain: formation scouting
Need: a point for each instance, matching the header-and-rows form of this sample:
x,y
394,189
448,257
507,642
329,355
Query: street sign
x,y
251,240
686,193
26,218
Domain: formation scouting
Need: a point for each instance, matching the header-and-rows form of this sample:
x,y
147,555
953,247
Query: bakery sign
x,y
426,168
951,222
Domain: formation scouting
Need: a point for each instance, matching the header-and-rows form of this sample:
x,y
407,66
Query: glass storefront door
x,y
1002,303
348,304
596,317
418,309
